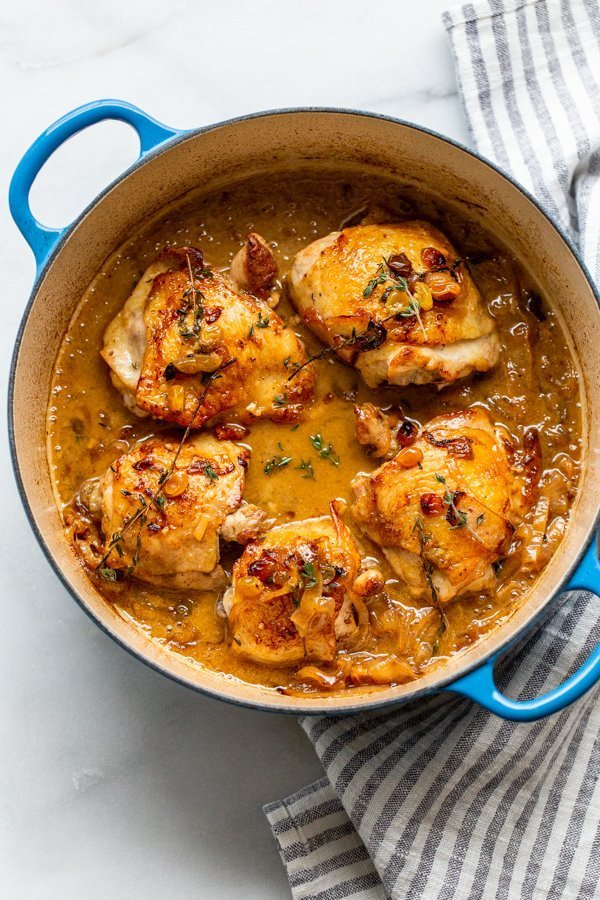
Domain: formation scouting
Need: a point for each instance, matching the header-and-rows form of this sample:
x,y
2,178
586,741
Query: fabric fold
x,y
438,798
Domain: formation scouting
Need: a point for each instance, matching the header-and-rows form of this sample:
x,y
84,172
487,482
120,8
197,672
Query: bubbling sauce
x,y
534,385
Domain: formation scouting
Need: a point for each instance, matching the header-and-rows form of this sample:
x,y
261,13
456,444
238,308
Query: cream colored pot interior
x,y
268,142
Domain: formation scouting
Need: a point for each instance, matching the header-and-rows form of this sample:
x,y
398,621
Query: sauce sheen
x,y
534,385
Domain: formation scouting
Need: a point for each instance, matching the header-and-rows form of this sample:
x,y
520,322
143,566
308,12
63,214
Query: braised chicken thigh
x,y
444,508
294,596
163,511
396,302
197,482
189,346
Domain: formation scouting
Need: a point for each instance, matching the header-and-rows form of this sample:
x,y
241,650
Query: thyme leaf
x,y
277,462
372,337
210,472
107,574
308,575
306,467
413,309
424,539
193,302
456,517
324,450
380,277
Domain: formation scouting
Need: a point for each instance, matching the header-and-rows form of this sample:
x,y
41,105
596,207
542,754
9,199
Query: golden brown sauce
x,y
534,384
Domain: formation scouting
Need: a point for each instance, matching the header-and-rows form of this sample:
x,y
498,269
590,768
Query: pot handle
x,y
40,238
479,685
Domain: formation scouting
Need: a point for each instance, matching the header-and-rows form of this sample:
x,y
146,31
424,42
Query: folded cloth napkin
x,y
439,799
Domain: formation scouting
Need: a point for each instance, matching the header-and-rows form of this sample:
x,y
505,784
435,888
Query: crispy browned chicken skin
x,y
172,538
253,268
186,323
293,598
444,508
355,280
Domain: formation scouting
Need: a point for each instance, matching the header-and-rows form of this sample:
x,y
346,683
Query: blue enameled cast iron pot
x,y
173,162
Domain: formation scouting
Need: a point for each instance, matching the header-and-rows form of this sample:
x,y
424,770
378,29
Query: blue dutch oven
x,y
172,162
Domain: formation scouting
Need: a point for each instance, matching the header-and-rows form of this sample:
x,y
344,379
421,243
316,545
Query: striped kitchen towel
x,y
439,799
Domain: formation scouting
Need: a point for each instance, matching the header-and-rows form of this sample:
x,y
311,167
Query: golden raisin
x,y
424,295
409,457
433,258
210,338
194,363
406,433
442,285
400,265
176,484
431,504
230,431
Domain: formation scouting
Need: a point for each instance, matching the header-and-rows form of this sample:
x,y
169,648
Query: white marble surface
x,y
115,782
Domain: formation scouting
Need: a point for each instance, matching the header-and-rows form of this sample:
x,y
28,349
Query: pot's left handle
x,y
40,238
479,685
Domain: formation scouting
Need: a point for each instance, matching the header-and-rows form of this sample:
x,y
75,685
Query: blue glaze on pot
x,y
478,684
40,238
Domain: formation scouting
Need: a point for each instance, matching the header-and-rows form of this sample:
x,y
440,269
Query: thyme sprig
x,y
460,518
262,321
277,462
195,302
372,337
324,450
106,572
138,547
158,499
207,380
210,472
399,283
424,539
375,332
306,467
308,576
380,277
413,309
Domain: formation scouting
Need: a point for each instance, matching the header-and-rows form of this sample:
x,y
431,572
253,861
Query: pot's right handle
x,y
479,685
40,238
